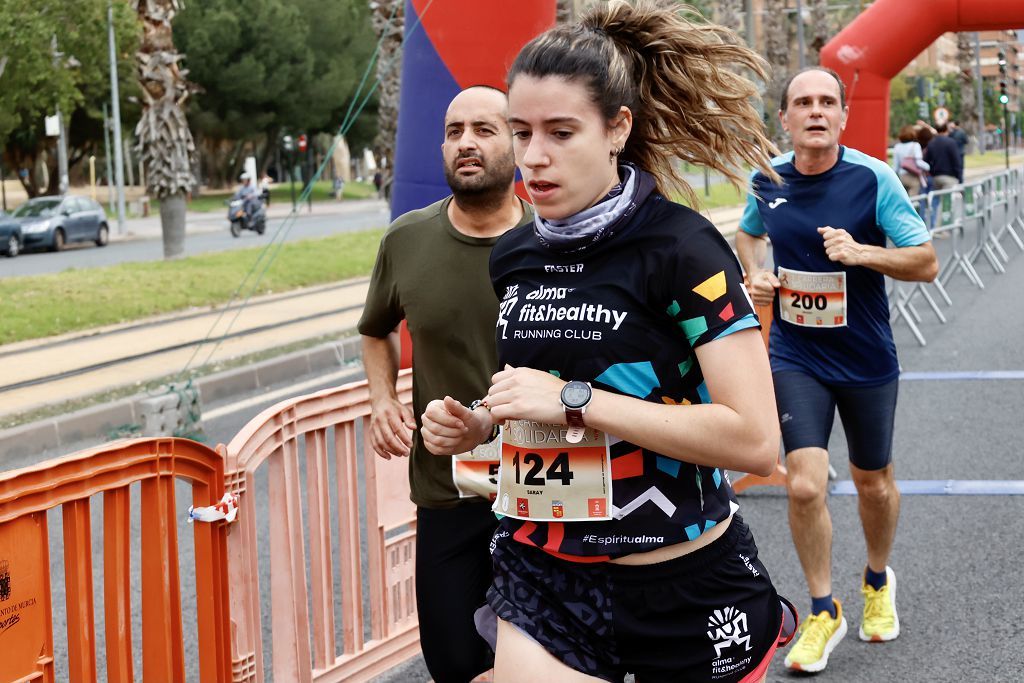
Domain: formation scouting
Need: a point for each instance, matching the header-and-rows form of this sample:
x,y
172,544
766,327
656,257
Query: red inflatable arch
x,y
869,52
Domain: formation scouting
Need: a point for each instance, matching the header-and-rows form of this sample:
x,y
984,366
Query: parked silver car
x,y
52,222
10,235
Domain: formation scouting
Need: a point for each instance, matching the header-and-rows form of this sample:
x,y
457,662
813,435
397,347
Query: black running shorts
x,y
807,408
712,615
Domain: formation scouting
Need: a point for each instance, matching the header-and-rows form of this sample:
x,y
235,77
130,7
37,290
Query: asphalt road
x,y
213,237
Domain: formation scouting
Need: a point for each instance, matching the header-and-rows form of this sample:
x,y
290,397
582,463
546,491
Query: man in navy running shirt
x,y
831,345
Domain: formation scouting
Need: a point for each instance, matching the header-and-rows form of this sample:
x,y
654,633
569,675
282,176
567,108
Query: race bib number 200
x,y
543,477
812,299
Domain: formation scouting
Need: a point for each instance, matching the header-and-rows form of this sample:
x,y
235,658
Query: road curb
x,y
103,421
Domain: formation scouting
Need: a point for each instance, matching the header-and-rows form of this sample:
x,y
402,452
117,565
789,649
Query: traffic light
x,y
302,143
287,143
922,110
1004,97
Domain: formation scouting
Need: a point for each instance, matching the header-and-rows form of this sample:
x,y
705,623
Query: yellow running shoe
x,y
880,623
819,635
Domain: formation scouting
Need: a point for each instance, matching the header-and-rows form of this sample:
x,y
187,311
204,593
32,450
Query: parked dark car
x,y
52,222
10,235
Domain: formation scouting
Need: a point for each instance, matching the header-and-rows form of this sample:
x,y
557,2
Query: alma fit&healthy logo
x,y
727,627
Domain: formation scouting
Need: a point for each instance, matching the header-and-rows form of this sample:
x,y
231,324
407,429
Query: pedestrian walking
x,y
945,165
908,161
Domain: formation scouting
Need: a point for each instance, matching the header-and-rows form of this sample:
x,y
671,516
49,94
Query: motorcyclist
x,y
249,195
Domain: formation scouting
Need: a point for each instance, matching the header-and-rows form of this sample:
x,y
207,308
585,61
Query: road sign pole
x,y
291,174
1006,134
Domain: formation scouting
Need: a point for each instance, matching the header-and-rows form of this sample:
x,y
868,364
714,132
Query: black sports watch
x,y
576,397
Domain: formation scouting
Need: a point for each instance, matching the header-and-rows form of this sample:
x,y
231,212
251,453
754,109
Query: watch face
x,y
575,394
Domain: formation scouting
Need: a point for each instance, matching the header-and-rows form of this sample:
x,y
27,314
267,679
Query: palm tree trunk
x,y
820,30
776,51
729,13
389,70
165,141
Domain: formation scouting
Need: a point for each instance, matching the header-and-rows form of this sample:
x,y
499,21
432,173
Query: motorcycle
x,y
255,220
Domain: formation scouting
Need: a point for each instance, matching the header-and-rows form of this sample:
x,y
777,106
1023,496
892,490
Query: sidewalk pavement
x,y
198,222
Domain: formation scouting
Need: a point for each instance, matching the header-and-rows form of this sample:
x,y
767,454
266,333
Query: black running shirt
x,y
626,315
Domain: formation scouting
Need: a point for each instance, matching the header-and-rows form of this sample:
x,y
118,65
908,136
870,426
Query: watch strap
x,y
574,420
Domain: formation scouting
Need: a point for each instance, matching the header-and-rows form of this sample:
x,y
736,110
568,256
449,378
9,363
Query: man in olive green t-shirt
x,y
432,271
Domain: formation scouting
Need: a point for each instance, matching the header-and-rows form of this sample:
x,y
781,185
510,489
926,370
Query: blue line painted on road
x,y
943,487
973,374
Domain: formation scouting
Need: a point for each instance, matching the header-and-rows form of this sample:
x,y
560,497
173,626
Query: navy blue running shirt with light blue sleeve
x,y
863,196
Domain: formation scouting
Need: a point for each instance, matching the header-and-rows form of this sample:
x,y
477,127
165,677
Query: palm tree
x,y
388,19
729,13
968,114
165,141
820,30
776,50
565,11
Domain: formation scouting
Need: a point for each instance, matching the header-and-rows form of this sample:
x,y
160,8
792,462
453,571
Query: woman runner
x,y
634,374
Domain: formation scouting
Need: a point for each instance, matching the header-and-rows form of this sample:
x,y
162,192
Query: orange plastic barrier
x,y
778,477
26,636
304,645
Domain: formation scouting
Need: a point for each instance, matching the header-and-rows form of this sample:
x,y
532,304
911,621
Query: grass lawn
x,y
721,194
44,305
280,193
992,158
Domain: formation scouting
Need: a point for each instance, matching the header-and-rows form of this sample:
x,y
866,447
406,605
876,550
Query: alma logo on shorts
x,y
523,507
728,627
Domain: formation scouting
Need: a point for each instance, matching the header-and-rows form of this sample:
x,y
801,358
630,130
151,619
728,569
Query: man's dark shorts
x,y
807,408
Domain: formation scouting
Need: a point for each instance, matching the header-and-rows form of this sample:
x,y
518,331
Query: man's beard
x,y
483,190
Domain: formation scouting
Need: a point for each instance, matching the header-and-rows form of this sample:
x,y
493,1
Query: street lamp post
x,y
1004,99
981,95
801,48
62,149
116,118
106,156
62,155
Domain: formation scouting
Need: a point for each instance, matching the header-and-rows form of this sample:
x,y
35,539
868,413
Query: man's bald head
x,y
480,99
477,147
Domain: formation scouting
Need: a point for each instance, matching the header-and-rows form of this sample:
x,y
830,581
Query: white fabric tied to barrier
x,y
226,509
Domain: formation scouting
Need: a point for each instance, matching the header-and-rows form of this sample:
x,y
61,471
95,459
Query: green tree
x,y
35,81
276,65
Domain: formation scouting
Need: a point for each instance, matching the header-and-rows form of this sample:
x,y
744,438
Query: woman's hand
x,y
450,427
526,394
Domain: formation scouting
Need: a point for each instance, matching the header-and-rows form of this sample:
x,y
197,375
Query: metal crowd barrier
x,y
976,217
